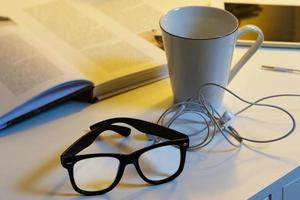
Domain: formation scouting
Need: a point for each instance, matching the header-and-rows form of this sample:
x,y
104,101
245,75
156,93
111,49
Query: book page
x,y
98,47
104,40
139,16
27,67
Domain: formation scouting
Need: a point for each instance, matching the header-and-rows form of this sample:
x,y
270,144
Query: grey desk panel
x,y
286,188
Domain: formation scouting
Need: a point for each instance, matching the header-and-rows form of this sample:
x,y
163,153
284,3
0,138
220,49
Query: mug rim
x,y
190,38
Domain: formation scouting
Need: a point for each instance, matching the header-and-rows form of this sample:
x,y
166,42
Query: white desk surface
x,y
30,166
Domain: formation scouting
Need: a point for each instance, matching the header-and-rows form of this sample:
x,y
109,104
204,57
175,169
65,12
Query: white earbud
x,y
228,118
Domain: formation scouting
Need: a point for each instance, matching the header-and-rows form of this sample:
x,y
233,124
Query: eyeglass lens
x,y
95,174
160,163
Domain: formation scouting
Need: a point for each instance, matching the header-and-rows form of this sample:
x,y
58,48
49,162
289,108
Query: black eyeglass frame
x,y
69,157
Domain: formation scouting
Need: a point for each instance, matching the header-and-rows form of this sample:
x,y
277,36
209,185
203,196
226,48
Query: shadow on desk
x,y
33,181
59,111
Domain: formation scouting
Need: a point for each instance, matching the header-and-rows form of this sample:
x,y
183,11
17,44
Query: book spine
x,y
83,95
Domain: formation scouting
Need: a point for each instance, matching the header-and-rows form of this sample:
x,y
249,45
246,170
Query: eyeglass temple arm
x,y
91,136
145,127
156,130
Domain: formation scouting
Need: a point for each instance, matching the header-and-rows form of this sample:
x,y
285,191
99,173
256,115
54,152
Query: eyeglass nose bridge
x,y
133,159
129,159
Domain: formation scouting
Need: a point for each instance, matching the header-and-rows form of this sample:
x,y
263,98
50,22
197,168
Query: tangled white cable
x,y
215,122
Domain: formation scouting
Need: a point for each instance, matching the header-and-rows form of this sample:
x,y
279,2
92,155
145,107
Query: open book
x,y
60,50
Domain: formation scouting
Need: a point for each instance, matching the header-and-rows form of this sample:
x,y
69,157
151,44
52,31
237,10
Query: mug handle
x,y
254,47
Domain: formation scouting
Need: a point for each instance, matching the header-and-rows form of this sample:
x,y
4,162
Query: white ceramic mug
x,y
199,43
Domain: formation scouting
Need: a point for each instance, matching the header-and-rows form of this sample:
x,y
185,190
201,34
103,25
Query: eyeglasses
x,y
93,174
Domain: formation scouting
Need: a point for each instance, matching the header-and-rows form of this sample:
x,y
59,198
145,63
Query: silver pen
x,y
280,69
